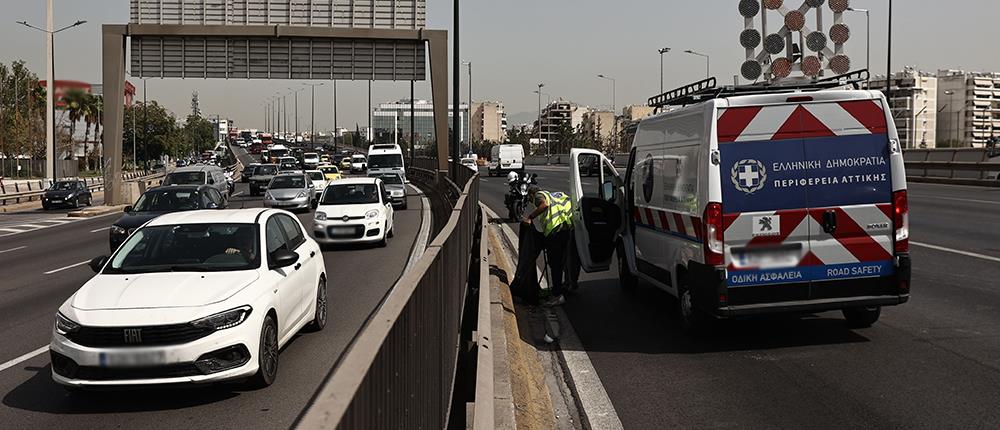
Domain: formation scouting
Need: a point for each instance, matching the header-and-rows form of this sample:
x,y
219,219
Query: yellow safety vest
x,y
558,215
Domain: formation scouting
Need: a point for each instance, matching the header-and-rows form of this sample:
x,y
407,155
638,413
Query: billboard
x,y
387,14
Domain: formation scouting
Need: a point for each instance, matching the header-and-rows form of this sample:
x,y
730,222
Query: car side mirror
x,y
127,209
608,191
98,263
283,258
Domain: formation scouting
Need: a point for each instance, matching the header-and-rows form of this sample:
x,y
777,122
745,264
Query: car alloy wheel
x,y
319,319
267,357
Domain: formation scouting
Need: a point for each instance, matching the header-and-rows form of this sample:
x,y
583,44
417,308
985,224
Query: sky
x,y
516,44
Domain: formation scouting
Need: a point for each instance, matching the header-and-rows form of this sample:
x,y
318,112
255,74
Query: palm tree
x,y
91,111
75,101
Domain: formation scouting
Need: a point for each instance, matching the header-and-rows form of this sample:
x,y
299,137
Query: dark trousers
x,y
557,249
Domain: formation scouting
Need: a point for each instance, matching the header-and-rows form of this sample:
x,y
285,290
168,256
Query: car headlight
x,y
267,196
70,195
371,214
117,230
65,325
224,320
303,194
320,216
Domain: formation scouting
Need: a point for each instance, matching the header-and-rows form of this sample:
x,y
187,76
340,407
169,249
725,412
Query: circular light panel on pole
x,y
751,70
749,8
781,67
774,44
811,66
840,64
840,33
750,38
816,41
773,4
839,6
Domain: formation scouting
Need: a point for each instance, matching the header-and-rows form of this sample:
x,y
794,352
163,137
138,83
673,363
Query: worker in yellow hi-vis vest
x,y
553,211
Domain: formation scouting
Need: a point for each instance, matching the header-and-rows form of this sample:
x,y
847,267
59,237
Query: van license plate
x,y
768,257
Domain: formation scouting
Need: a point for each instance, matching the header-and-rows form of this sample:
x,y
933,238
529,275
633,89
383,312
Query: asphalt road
x,y
931,363
32,287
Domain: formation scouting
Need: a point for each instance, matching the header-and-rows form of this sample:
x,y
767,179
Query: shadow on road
x,y
608,319
41,394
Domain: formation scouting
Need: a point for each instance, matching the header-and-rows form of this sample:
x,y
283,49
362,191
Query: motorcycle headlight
x,y
524,188
117,230
371,214
224,320
65,325
320,216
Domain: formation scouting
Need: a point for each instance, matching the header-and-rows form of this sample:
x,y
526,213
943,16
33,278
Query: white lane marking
x,y
237,194
100,229
12,249
33,226
11,229
66,268
989,202
68,222
425,228
23,358
958,251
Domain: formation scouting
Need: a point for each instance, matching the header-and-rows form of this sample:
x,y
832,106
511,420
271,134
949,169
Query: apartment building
x,y
489,122
598,125
555,116
970,112
913,102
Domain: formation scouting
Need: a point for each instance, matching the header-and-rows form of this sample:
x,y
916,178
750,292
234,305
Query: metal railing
x,y
20,192
400,370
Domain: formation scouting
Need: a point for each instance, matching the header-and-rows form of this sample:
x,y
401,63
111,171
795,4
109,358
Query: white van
x,y
753,204
386,159
506,158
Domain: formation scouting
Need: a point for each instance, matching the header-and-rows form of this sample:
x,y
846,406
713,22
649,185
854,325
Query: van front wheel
x,y
862,317
626,278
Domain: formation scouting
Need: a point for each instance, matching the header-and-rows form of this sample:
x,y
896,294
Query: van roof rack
x,y
706,89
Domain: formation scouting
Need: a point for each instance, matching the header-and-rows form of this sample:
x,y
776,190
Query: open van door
x,y
597,208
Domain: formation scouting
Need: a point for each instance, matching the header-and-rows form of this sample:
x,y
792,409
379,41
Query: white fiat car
x,y
192,297
354,211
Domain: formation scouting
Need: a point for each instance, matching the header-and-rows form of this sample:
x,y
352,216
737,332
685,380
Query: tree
x,y
76,102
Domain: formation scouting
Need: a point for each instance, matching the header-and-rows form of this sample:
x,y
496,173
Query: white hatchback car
x,y
192,297
357,210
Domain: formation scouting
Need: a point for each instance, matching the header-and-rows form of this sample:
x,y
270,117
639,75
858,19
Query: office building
x,y
913,102
489,122
391,122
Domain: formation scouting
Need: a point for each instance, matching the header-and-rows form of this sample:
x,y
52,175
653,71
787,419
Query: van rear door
x,y
808,193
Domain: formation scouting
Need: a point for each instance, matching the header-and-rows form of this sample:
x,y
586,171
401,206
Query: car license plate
x,y
342,230
768,258
56,201
132,358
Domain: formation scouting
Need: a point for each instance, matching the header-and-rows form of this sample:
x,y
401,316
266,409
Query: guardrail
x,y
956,166
20,194
401,369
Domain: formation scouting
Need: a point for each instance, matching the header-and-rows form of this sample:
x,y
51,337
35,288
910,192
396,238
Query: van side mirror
x,y
98,262
608,191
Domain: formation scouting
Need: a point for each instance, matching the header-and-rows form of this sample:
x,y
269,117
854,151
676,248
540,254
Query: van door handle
x,y
830,221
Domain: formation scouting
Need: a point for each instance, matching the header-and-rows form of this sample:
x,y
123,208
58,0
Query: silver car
x,y
395,186
290,191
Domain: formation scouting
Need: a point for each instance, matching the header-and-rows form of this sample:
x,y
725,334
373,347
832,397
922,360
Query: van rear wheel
x,y
693,320
862,317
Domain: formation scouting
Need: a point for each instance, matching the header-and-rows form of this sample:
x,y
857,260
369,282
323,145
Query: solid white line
x,y
425,230
100,229
958,251
989,202
23,358
33,226
66,268
11,230
12,249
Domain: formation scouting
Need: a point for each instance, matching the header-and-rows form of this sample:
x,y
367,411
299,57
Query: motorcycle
x,y
230,183
517,198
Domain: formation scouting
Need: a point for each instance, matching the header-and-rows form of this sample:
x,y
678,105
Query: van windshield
x,y
185,178
385,161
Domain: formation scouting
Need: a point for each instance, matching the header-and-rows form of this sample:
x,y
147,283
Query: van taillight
x,y
713,244
901,221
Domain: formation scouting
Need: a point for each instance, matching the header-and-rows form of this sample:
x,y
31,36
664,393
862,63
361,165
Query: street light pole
x,y
662,51
708,62
888,54
50,134
312,115
336,132
145,127
469,63
868,34
613,91
296,92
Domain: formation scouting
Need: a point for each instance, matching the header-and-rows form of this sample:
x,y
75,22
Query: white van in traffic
x,y
506,158
753,204
386,159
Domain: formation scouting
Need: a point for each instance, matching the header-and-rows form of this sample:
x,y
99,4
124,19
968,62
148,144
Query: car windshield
x,y
278,152
280,182
266,170
316,176
357,159
385,161
310,155
353,194
391,179
168,201
188,247
59,186
185,178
